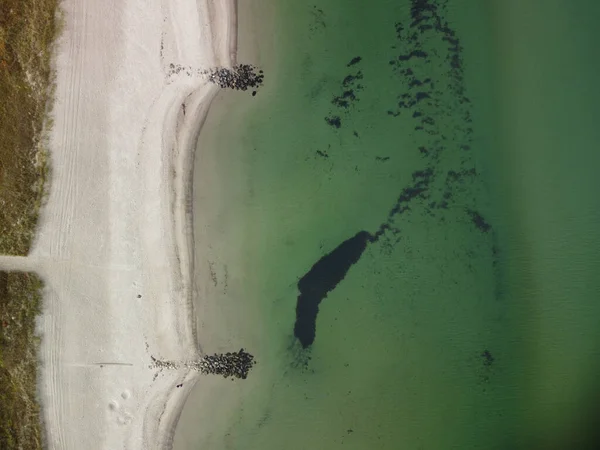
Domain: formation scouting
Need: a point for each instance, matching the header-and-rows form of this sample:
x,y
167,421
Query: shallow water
x,y
462,313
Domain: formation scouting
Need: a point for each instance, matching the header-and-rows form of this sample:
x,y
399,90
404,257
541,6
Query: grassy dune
x,y
27,30
20,301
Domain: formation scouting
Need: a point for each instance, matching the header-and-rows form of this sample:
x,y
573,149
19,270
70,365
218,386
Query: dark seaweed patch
x,y
318,19
413,54
334,121
354,60
345,99
421,96
349,79
487,357
321,279
479,221
348,96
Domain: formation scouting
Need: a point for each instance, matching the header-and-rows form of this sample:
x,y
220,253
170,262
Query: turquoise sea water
x,y
459,138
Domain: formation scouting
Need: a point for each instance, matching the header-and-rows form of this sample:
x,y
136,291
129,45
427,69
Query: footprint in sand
x,y
124,419
123,416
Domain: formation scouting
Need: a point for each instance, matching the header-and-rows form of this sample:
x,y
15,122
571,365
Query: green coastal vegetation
x,y
20,302
28,29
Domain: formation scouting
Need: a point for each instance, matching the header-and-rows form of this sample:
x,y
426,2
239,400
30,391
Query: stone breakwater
x,y
240,77
230,364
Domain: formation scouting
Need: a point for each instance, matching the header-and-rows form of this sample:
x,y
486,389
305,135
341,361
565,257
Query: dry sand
x,y
115,239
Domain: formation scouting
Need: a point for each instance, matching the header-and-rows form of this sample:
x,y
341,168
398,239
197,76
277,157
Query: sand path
x,y
114,244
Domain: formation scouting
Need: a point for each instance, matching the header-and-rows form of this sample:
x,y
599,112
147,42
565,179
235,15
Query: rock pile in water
x,y
230,364
240,77
236,364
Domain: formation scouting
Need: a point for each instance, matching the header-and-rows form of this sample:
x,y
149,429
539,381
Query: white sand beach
x,y
114,245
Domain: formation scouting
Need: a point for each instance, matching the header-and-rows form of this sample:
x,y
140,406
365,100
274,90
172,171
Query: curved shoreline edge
x,y
183,209
115,240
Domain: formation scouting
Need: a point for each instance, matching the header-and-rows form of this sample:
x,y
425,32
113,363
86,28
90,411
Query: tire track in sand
x,y
64,190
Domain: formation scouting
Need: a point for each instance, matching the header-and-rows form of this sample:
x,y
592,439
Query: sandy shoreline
x,y
114,244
